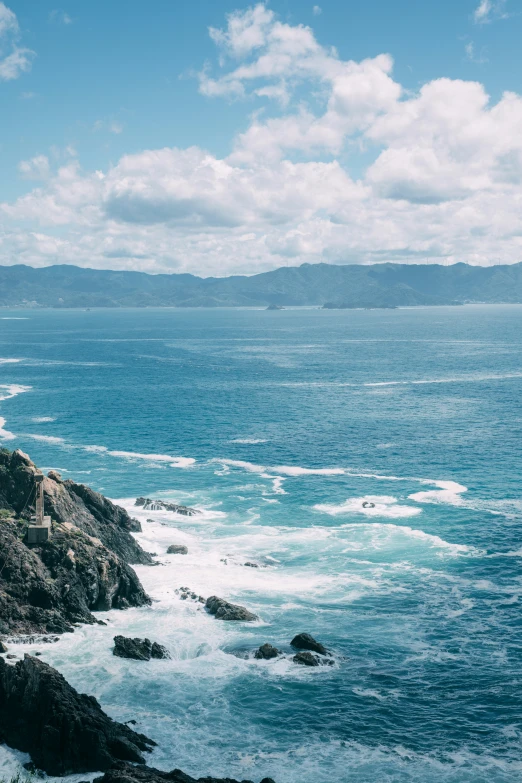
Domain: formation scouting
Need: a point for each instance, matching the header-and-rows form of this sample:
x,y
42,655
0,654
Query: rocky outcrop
x,y
125,773
67,502
48,588
307,659
147,504
303,641
266,652
65,732
138,649
223,610
177,549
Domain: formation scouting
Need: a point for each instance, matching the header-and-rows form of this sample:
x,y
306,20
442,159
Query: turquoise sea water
x,y
279,425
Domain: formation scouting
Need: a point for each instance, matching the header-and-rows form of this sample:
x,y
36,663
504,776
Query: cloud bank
x,y
443,182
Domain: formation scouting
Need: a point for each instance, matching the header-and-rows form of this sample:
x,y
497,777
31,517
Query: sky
x,y
220,138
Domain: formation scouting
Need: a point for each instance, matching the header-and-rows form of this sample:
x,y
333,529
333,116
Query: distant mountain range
x,y
380,285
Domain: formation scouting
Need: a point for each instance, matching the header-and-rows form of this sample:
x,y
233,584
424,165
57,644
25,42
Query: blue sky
x,y
220,137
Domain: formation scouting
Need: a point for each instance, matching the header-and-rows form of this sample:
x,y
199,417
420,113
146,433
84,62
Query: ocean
x,y
279,426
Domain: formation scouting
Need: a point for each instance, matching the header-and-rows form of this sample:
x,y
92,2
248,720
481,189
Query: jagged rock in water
x,y
148,504
249,564
138,649
303,641
48,588
3,647
307,659
266,652
125,773
68,502
64,732
177,549
226,611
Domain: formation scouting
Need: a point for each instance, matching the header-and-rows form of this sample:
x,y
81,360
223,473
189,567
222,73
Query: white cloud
x,y
317,10
59,16
488,10
14,60
443,181
35,168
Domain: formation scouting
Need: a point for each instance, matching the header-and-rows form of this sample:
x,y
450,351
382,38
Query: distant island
x,y
332,286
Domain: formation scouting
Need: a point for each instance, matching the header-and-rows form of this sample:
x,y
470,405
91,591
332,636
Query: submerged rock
x,y
249,564
303,641
266,652
65,732
147,504
223,610
125,773
307,659
177,549
138,649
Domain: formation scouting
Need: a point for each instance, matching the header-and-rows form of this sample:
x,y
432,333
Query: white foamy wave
x,y
249,441
10,390
386,534
457,379
175,462
46,439
377,506
286,470
42,419
5,434
10,361
447,492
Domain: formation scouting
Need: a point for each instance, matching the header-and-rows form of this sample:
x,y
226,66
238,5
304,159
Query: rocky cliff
x,y
63,730
83,567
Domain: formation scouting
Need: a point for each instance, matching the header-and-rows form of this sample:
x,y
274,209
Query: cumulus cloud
x,y
443,182
14,59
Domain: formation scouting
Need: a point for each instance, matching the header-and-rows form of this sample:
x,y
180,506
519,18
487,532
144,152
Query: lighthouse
x,y
39,530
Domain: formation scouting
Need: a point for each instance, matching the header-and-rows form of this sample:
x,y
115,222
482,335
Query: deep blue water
x,y
279,426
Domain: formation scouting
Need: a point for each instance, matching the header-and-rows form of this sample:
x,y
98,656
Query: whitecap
x,y
46,439
42,419
447,492
249,441
175,462
5,434
10,390
381,506
10,361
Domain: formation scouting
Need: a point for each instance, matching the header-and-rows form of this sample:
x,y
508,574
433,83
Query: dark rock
x,y
225,611
147,504
307,659
266,651
65,732
135,525
138,649
177,549
52,587
125,773
252,565
3,648
303,641
67,502
158,651
275,307
11,657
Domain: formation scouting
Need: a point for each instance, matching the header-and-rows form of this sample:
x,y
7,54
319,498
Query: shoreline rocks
x,y
223,610
266,652
303,641
148,504
177,549
64,732
125,773
138,649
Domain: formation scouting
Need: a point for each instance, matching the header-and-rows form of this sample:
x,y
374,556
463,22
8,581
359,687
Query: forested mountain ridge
x,y
379,285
